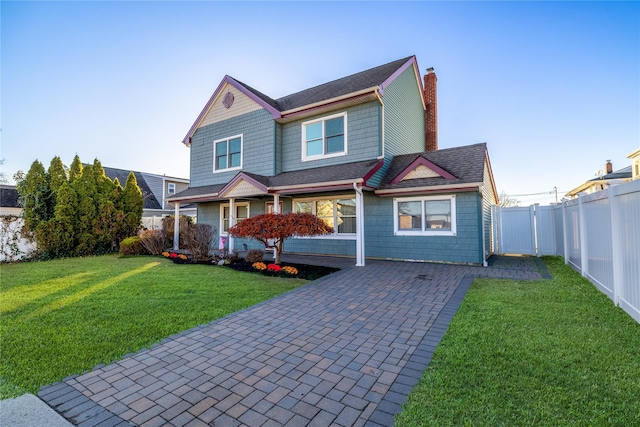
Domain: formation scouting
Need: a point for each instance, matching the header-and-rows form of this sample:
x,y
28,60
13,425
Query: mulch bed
x,y
305,271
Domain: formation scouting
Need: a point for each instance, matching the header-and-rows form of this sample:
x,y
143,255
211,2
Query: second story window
x,y
325,137
171,188
227,154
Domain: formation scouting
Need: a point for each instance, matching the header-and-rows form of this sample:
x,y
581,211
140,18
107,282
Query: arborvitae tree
x,y
35,197
75,171
85,187
65,220
57,175
119,226
132,203
84,215
105,214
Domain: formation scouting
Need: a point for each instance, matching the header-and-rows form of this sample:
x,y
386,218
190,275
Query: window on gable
x,y
227,154
429,216
325,137
171,188
339,213
242,212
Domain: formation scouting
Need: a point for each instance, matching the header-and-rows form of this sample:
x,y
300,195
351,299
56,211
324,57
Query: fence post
x,y
584,253
534,237
616,243
565,246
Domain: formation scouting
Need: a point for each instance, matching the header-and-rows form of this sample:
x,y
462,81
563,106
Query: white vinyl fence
x,y
598,234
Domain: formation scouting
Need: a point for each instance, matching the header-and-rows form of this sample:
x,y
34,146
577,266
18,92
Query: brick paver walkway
x,y
344,350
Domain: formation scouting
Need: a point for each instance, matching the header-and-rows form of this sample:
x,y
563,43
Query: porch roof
x,y
454,168
332,177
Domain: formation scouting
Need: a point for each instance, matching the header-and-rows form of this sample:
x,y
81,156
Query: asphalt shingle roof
x,y
466,163
343,86
150,200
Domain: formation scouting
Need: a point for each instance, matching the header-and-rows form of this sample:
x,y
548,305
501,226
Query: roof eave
x,y
315,186
334,100
430,189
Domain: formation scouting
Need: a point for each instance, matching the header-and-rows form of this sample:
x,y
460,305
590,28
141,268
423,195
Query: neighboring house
x,y
610,177
360,152
635,164
9,203
155,191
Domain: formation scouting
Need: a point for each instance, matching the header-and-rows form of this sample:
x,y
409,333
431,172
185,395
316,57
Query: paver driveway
x,y
344,350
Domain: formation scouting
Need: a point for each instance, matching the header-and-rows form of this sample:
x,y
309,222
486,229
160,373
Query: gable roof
x,y
150,200
377,78
9,197
458,167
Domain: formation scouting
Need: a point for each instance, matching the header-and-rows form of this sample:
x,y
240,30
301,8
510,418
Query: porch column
x,y
176,226
232,221
276,210
359,226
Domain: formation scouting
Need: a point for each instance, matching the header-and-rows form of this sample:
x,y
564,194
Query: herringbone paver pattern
x,y
344,350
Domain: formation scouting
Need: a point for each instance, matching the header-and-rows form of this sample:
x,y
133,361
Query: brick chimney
x,y
608,167
431,111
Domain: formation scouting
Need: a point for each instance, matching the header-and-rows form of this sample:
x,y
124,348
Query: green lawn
x,y
63,317
547,353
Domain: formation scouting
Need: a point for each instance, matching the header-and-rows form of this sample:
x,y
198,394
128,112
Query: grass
x,y
63,317
546,353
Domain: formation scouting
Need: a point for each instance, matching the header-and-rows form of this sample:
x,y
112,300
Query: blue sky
x,y
553,88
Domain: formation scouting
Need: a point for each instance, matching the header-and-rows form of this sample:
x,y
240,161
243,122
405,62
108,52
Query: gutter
x,y
431,189
345,97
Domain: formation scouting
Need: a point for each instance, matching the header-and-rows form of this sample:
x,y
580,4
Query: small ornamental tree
x,y
272,229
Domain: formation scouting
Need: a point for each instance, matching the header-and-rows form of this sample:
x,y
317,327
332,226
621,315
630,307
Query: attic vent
x,y
421,171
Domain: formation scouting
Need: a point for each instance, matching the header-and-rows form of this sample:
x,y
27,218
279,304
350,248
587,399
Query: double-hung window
x,y
241,212
324,137
171,188
227,154
338,213
427,216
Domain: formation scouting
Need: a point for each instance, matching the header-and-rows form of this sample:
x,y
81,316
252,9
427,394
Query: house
x,y
635,164
155,191
360,152
610,177
9,203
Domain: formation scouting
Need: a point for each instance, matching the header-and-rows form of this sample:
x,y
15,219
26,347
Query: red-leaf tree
x,y
272,229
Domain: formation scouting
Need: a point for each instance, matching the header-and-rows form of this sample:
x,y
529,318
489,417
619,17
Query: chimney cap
x,y
430,70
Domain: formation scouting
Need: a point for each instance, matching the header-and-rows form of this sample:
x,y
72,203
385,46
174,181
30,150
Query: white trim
x,y
425,231
241,153
470,185
228,205
169,185
330,101
341,236
322,120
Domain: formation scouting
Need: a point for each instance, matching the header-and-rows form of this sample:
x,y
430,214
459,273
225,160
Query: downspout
x,y
377,92
484,246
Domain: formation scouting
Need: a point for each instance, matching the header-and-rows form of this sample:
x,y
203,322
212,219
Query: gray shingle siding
x,y
258,147
380,242
403,120
403,116
362,138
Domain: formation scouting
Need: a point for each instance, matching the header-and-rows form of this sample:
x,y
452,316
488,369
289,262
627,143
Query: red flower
x,y
274,267
173,255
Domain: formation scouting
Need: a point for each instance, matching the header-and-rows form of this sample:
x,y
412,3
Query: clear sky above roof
x,y
553,88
